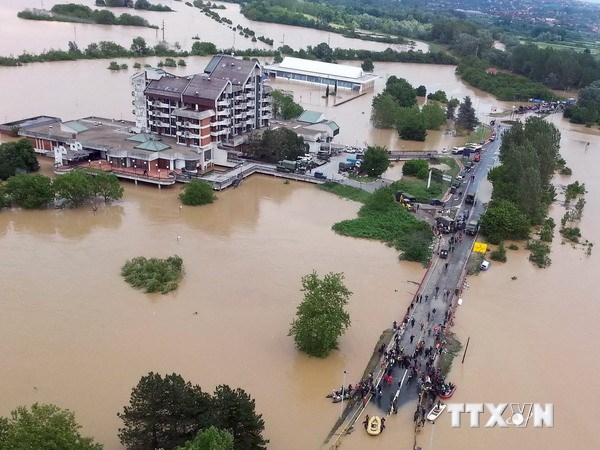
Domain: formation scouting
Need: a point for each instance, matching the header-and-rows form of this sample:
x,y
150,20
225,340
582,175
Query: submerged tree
x,y
321,317
376,161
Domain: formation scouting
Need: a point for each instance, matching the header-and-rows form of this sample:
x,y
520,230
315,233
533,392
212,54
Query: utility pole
x,y
163,30
466,347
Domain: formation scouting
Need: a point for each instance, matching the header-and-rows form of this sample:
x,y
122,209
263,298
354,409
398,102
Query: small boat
x,y
436,411
374,426
449,392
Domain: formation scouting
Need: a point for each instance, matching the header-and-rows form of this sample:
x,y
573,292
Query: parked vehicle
x,y
436,202
456,182
485,265
476,157
444,253
320,176
286,166
457,150
345,167
472,227
470,198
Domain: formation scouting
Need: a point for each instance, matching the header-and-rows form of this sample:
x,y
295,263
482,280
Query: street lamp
x,y
89,162
159,174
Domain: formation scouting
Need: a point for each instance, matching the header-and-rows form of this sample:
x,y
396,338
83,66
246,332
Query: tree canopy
x,y
376,161
197,192
416,168
169,412
30,191
321,317
17,157
284,106
276,145
466,119
43,426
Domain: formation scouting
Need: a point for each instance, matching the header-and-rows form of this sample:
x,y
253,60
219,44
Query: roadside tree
x,y
321,318
30,191
416,168
466,120
164,412
197,192
43,426
504,220
376,161
234,410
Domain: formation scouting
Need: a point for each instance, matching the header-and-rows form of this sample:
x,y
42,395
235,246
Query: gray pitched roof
x,y
167,86
204,86
229,68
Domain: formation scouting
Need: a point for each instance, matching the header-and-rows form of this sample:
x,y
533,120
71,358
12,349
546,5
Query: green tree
x,y
284,106
433,115
411,124
30,191
402,91
76,187
139,47
235,411
210,439
416,168
588,103
164,413
421,91
104,184
438,96
367,65
321,318
200,48
466,120
43,427
197,192
504,220
276,145
376,161
384,112
3,198
16,157
451,108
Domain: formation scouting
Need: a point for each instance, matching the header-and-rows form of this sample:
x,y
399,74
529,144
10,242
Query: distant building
x,y
200,111
313,127
317,72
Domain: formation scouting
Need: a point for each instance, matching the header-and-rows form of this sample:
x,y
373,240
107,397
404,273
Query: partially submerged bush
x,y
154,274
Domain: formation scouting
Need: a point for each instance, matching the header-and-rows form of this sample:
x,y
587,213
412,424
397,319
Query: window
x,y
207,155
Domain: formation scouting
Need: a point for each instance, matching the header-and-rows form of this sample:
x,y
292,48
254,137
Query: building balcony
x,y
218,133
224,102
221,123
224,112
191,125
157,104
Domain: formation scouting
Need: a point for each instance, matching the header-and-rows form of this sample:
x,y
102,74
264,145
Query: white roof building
x,y
317,72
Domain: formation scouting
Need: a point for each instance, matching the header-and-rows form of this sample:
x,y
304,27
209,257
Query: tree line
x,y
165,412
144,5
71,12
529,156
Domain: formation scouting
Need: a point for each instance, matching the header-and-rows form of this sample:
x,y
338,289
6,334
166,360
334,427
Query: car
x,y
460,176
436,202
485,265
476,157
444,253
444,150
350,150
320,176
457,150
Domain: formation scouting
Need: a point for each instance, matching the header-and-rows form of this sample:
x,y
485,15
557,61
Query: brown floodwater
x,y
180,26
76,335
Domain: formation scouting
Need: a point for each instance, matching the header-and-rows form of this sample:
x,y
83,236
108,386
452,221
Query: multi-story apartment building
x,y
203,110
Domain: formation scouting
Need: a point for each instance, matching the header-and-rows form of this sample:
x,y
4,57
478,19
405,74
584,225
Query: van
x,y
457,150
472,227
443,253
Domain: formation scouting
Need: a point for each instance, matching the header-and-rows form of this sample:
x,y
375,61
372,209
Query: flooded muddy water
x,y
76,335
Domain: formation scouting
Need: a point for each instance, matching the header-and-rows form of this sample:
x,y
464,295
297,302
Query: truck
x,y
470,198
472,227
286,166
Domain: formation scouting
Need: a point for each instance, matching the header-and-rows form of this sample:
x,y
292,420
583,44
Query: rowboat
x,y
436,411
374,426
449,392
